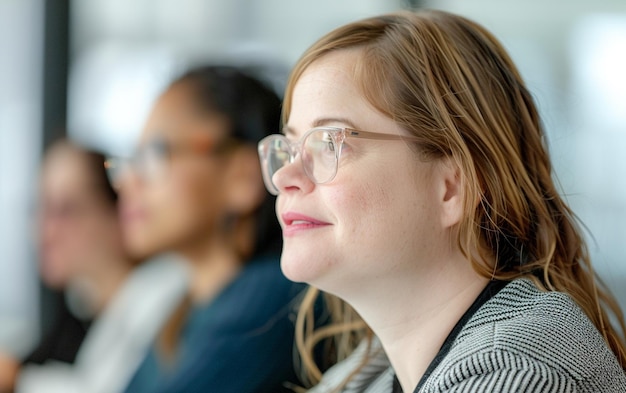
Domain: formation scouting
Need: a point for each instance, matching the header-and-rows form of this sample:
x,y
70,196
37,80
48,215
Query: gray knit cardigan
x,y
521,340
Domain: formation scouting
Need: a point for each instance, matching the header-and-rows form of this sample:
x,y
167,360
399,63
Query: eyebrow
x,y
323,121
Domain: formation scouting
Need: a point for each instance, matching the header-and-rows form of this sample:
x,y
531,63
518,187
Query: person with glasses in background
x,y
414,184
82,254
194,188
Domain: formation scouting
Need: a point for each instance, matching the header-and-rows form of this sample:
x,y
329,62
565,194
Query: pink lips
x,y
131,214
296,222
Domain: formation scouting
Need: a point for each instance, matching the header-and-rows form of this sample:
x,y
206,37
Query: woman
x,y
414,184
82,243
194,189
80,238
80,248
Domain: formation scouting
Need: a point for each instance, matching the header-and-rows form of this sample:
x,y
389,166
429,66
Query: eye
x,y
322,142
158,147
327,139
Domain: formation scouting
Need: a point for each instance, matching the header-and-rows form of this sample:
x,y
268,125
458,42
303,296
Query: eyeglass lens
x,y
149,162
318,150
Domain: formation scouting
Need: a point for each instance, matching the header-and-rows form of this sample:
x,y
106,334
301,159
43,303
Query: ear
x,y
244,190
451,193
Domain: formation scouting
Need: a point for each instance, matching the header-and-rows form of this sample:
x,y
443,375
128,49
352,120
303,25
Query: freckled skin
x,y
382,203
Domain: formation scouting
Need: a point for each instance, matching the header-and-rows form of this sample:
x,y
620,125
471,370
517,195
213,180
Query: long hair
x,y
450,83
93,161
252,110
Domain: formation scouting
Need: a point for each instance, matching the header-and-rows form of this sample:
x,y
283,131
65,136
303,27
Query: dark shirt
x,y
62,342
241,341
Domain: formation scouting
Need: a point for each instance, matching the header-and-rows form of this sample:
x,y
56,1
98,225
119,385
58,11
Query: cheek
x,y
356,207
176,207
200,199
71,247
361,204
162,211
83,237
383,210
183,206
376,210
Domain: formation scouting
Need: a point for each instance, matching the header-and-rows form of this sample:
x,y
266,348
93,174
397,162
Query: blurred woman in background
x,y
81,252
82,249
194,188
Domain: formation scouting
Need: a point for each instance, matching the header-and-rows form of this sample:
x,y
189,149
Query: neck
x,y
90,294
413,312
109,284
216,258
213,265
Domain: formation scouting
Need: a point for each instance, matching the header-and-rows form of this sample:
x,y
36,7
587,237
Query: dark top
x,y
241,341
62,342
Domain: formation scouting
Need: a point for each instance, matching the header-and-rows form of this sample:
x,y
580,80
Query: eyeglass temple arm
x,y
378,136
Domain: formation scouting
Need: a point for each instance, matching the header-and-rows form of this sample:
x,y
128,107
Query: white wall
x,y
128,49
20,126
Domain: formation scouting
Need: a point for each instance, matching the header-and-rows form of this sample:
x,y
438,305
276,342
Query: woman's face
x,y
171,198
380,215
79,230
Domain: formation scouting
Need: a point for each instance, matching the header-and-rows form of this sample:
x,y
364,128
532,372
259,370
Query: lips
x,y
296,222
131,213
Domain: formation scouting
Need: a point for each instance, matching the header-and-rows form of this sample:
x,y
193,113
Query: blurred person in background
x,y
83,253
194,188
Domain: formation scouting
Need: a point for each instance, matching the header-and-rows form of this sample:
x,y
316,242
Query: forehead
x,y
329,78
177,113
328,89
65,172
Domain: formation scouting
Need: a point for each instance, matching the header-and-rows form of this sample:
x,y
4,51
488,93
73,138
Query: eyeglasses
x,y
151,160
319,150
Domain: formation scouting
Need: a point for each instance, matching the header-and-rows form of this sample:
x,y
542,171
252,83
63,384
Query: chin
x,y
296,268
139,247
53,273
54,280
301,268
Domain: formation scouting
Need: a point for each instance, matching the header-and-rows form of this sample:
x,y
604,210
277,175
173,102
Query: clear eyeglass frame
x,y
319,150
152,159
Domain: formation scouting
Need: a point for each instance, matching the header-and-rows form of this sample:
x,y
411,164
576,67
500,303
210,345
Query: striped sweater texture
x,y
521,340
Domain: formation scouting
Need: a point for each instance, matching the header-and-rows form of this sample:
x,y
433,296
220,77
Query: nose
x,y
127,180
125,176
292,178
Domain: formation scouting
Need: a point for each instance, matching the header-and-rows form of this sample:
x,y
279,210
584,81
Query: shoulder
x,y
147,296
165,272
524,334
548,326
366,370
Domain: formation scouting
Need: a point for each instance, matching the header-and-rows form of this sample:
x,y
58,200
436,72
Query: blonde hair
x,y
450,83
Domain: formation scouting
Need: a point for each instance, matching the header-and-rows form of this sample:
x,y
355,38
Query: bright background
x,y
120,53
